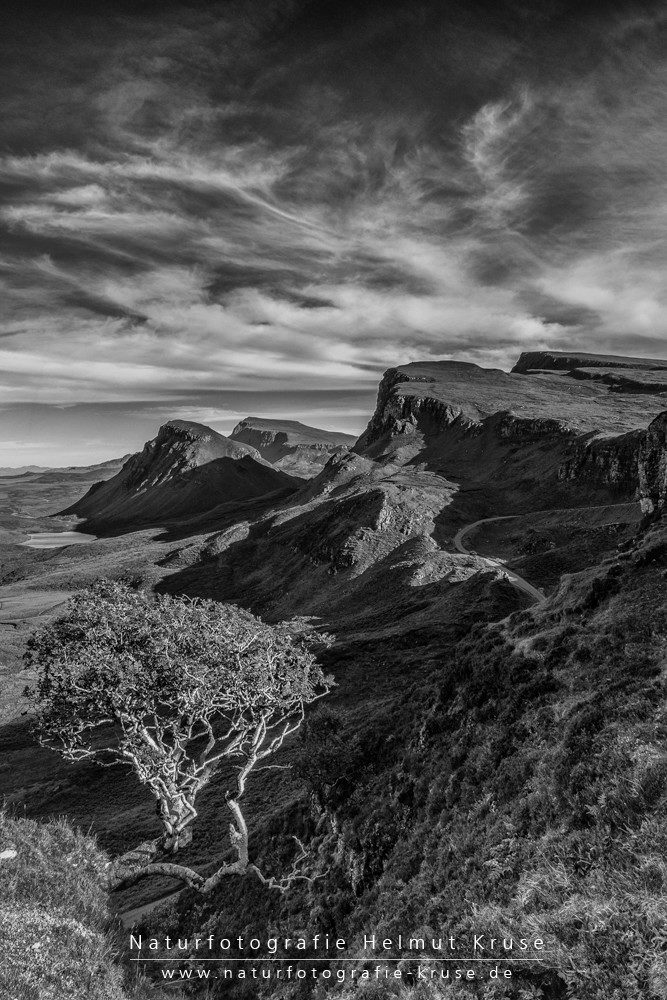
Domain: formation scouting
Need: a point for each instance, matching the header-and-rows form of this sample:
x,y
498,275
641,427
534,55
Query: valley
x,y
459,551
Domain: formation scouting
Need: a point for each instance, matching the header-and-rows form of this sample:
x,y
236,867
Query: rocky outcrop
x,y
633,464
532,361
633,376
186,470
652,467
398,412
555,437
291,446
604,462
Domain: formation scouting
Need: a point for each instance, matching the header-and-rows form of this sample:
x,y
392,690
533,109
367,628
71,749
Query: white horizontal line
x,y
379,961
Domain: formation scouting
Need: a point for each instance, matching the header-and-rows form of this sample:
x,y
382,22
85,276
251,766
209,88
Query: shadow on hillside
x,y
38,783
219,517
517,473
301,566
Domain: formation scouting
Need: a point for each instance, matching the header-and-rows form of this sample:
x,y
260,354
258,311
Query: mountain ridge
x,y
449,444
569,360
186,470
26,470
290,445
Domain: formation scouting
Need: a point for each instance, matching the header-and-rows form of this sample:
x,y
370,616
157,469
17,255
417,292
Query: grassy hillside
x,y
518,788
55,939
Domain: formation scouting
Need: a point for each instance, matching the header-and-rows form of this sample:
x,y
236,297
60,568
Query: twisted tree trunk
x,y
177,812
147,859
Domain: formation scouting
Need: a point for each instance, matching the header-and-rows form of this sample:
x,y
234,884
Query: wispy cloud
x,y
236,197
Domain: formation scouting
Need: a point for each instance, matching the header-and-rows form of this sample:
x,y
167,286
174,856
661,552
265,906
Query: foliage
x,y
172,687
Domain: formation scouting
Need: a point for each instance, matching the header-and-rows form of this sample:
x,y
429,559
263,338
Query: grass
x,y
512,790
56,940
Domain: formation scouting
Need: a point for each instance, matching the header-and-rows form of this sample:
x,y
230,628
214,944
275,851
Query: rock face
x,y
186,470
634,462
449,392
532,361
291,446
652,467
535,431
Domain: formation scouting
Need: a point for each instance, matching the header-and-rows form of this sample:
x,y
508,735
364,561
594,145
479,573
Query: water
x,y
57,539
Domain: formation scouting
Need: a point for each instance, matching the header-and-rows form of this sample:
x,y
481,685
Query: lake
x,y
57,539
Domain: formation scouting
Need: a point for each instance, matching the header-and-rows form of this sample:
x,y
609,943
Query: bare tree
x,y
174,688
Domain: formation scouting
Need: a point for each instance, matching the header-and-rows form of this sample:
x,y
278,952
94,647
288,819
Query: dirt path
x,y
130,917
514,578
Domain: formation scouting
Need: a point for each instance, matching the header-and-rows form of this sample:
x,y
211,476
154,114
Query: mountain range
x,y
449,444
490,555
84,470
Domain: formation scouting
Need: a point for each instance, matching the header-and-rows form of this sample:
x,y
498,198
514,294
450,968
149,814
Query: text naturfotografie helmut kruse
x,y
241,945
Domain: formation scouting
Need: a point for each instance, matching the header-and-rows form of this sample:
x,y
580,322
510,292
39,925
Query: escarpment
x,y
533,429
652,466
291,446
634,465
604,462
570,361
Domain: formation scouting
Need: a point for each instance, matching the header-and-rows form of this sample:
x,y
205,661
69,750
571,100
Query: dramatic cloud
x,y
288,197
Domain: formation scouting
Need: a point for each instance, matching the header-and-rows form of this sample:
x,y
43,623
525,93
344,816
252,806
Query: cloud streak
x,y
224,197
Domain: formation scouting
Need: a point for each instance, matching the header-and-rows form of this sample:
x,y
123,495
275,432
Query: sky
x,y
216,210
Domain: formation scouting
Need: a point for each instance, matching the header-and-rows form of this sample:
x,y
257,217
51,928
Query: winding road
x,y
518,581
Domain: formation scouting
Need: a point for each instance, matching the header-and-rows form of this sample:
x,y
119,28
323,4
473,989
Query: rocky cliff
x,y
186,470
531,361
652,466
636,460
448,392
634,464
538,432
291,446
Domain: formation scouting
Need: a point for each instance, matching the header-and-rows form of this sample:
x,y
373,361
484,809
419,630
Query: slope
x,y
187,469
514,787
